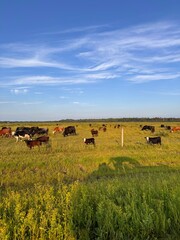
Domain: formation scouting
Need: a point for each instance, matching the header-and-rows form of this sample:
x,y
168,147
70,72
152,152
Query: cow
x,y
89,141
70,130
153,140
104,129
19,135
146,127
32,130
175,129
94,133
5,131
58,130
168,127
27,130
23,132
43,139
39,131
33,143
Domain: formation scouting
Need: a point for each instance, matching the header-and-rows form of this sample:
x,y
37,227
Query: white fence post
x,y
122,136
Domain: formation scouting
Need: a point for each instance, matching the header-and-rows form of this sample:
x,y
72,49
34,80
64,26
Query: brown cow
x,y
33,143
94,132
43,139
175,129
58,130
5,131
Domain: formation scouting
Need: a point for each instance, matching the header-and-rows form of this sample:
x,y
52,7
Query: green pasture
x,y
67,190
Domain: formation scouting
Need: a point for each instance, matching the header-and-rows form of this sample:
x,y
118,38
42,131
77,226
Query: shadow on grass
x,y
124,166
121,162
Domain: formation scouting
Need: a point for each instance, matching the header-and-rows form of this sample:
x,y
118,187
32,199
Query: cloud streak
x,y
100,54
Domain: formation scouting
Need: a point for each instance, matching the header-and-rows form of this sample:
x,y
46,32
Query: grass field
x,y
66,190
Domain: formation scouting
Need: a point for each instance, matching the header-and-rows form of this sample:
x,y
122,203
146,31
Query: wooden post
x,y
122,136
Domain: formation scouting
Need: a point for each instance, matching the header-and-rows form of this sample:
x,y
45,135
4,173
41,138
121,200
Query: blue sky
x,y
89,59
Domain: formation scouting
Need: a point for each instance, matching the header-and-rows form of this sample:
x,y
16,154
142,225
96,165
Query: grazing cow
x,y
175,129
89,141
39,131
153,140
168,127
33,143
19,135
23,129
43,131
32,130
5,131
117,126
104,129
146,127
43,139
58,130
23,132
94,132
70,130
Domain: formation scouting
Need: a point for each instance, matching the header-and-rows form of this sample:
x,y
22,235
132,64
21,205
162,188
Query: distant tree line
x,y
156,119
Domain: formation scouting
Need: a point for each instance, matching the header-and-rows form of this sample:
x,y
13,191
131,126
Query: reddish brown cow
x,y
58,130
175,129
5,132
33,143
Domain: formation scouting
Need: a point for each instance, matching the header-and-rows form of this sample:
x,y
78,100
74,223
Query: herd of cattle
x,y
35,136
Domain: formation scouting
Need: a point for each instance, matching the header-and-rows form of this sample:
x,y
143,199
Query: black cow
x,y
39,131
89,141
153,140
20,134
32,130
70,130
24,130
146,127
168,127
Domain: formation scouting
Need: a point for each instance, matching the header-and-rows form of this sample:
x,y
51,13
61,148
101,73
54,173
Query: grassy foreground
x,y
67,190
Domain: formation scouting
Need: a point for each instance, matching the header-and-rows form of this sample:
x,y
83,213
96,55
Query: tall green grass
x,y
130,207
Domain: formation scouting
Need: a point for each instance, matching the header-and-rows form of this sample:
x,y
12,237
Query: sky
x,y
89,59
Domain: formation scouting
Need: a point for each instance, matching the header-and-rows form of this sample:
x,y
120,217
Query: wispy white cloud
x,y
154,77
32,103
144,53
48,80
30,63
77,29
63,97
19,90
7,102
